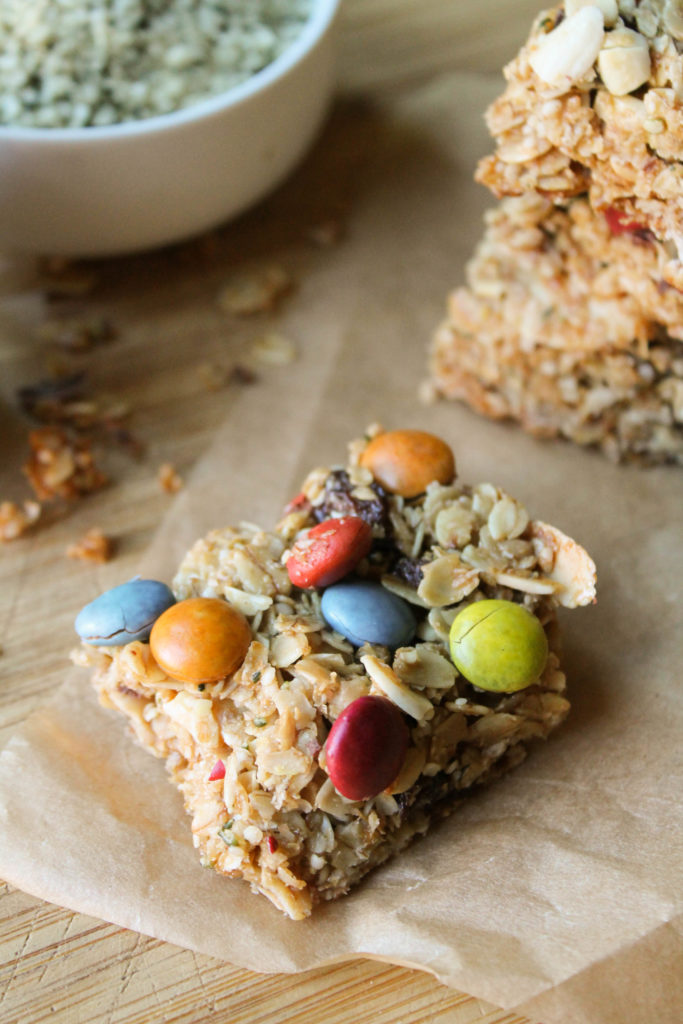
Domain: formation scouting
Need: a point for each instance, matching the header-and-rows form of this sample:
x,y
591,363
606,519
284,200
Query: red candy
x,y
618,225
217,772
366,747
300,501
329,551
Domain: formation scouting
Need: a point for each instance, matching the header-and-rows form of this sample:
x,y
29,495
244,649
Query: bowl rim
x,y
319,20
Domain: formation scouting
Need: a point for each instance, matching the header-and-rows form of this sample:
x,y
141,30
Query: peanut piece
x,y
567,53
624,61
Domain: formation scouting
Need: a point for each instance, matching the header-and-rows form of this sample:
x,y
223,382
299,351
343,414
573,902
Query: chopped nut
x,y
170,480
60,467
15,520
624,61
257,292
567,54
93,546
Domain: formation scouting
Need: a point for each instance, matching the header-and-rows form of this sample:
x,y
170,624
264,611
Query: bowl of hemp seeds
x,y
127,125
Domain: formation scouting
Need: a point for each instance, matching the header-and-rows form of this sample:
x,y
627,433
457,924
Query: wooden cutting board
x,y
56,965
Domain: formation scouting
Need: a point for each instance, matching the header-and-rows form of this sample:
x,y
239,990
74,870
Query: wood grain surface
x,y
56,965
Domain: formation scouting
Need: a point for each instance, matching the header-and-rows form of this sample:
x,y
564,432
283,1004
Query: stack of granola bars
x,y
572,318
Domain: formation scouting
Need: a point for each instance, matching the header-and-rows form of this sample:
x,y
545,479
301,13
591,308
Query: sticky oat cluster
x,y
572,318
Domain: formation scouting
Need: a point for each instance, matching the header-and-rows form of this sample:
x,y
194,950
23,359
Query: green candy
x,y
498,646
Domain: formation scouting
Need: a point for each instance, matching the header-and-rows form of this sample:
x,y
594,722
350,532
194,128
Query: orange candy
x,y
200,640
405,461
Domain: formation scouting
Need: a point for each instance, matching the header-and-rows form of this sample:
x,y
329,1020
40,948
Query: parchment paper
x,y
557,891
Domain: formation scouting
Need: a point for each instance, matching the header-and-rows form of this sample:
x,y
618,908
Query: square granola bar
x,y
567,325
278,792
594,105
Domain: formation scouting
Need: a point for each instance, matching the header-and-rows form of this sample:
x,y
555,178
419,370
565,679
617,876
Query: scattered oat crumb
x,y
60,467
169,479
256,292
326,233
93,546
15,520
273,349
427,392
77,334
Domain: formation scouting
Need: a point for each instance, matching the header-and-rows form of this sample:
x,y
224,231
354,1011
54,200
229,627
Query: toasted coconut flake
x,y
567,563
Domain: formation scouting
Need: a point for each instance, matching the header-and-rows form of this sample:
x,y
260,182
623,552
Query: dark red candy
x,y
618,223
329,551
366,747
299,502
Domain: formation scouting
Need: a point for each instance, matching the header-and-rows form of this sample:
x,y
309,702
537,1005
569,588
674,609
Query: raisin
x,y
339,500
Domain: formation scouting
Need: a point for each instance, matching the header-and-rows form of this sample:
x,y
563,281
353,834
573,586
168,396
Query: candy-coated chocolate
x,y
366,747
364,611
124,613
498,645
406,461
200,640
329,551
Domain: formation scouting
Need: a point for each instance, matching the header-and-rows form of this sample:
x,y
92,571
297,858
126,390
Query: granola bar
x,y
593,105
251,751
570,329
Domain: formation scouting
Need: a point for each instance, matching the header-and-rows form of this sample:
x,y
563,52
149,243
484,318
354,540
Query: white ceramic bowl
x,y
142,184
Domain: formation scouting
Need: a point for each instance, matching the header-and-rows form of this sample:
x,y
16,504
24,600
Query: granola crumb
x,y
427,392
16,520
273,349
60,467
93,546
169,479
258,291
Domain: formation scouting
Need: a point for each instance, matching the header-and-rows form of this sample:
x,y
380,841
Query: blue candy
x,y
366,612
125,613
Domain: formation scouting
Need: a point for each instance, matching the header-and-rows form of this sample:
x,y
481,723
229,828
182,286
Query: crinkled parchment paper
x,y
557,891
